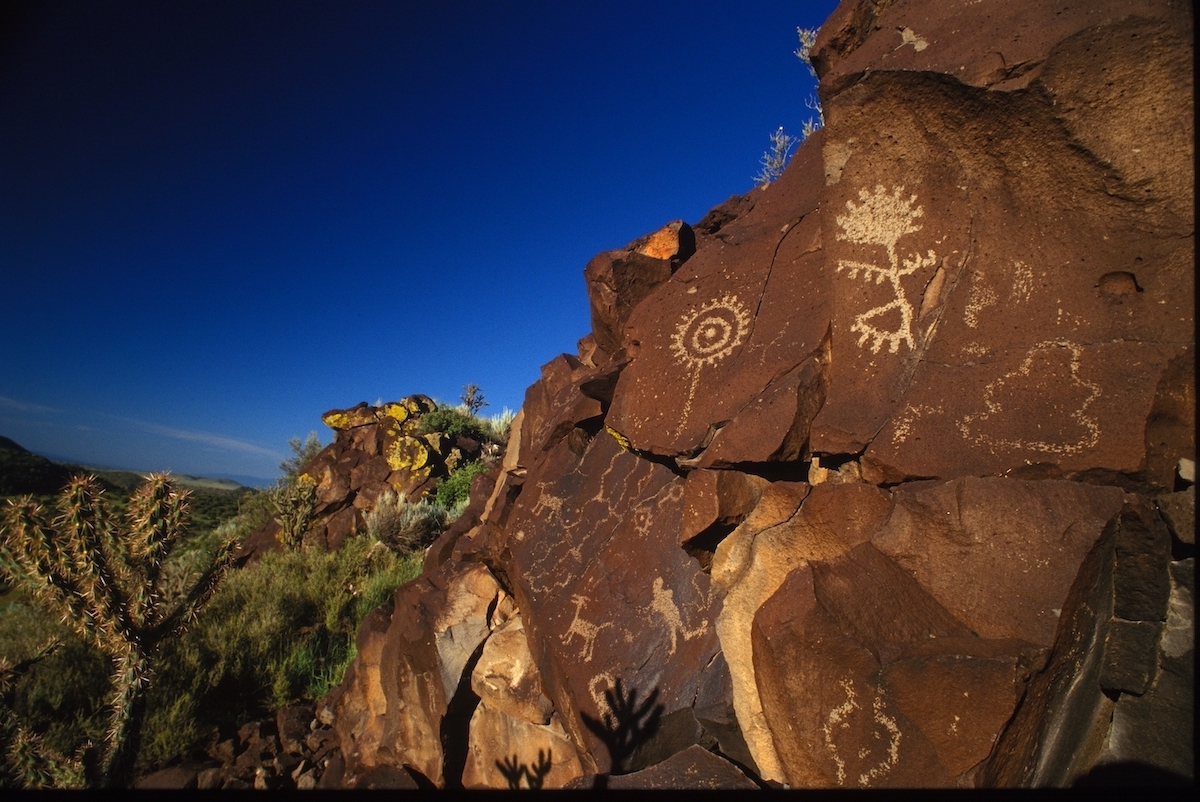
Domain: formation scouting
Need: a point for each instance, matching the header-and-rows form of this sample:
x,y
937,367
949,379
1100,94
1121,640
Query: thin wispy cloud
x,y
217,441
21,406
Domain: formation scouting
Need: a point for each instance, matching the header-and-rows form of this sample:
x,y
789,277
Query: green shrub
x,y
403,526
455,423
775,159
454,491
278,631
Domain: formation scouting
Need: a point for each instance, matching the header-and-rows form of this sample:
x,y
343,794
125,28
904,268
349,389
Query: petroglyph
x,y
1022,288
980,298
597,693
882,219
904,421
893,747
664,605
838,720
547,503
705,337
586,630
1041,368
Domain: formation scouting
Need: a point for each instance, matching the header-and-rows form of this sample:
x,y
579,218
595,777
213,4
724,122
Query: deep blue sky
x,y
220,219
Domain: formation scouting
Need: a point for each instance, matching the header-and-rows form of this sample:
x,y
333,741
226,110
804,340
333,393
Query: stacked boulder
x,y
878,476
376,449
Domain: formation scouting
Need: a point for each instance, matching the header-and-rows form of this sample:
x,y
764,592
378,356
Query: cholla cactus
x,y
25,760
294,503
104,582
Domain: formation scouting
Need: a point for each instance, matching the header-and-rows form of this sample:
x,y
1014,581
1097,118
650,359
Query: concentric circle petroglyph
x,y
705,337
709,334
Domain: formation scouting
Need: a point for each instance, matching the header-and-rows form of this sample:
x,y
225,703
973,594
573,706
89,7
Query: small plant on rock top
x,y
105,581
808,40
472,399
775,159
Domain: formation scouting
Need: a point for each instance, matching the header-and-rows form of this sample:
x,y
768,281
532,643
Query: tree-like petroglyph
x,y
883,219
1040,370
705,337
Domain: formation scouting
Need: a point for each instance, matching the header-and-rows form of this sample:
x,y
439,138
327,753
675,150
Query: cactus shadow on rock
x,y
626,727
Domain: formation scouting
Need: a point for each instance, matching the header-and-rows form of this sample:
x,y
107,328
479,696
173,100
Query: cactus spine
x,y
104,581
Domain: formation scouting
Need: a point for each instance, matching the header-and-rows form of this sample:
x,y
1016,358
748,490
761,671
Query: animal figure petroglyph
x,y
586,630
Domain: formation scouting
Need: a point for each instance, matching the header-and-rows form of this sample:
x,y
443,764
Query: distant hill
x,y
22,471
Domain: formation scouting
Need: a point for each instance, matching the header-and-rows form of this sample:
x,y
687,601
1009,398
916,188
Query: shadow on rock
x,y
625,727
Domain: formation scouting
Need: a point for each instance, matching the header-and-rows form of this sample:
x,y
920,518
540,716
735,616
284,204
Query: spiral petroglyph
x,y
705,337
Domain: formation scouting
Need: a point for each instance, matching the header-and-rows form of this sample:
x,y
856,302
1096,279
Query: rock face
x,y
375,450
876,488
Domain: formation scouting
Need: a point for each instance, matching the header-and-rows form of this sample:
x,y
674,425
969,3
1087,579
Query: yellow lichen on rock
x,y
407,453
395,410
336,420
621,439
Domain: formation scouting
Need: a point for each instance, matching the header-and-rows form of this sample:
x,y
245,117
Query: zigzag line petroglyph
x,y
882,219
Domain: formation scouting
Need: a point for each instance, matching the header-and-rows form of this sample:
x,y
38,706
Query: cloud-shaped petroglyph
x,y
1062,432
882,219
705,337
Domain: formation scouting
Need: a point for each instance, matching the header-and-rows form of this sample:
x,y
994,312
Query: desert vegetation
x,y
775,158
126,635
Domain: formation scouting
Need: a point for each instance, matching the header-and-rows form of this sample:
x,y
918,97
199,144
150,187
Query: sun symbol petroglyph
x,y
705,337
1042,364
586,630
882,219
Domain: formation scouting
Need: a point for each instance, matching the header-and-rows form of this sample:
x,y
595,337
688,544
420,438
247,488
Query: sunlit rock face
x,y
881,486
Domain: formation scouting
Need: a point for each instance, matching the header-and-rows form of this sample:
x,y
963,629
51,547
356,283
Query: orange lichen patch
x,y
662,244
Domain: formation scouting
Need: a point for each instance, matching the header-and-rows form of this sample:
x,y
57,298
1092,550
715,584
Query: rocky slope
x,y
879,476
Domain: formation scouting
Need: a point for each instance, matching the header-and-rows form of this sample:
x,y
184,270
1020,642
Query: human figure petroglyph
x,y
664,605
882,219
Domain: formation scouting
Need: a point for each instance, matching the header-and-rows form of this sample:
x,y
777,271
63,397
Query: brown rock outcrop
x,y
880,487
374,450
